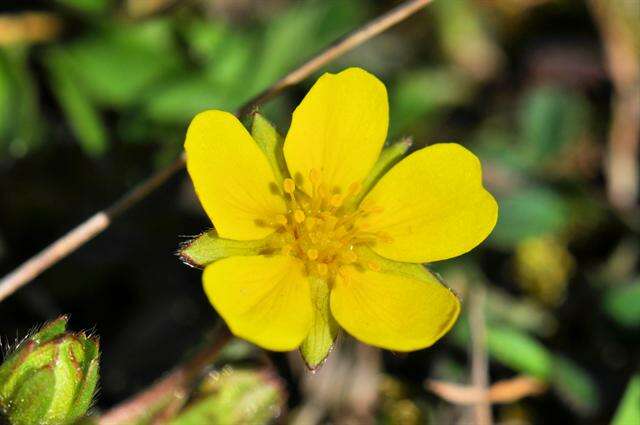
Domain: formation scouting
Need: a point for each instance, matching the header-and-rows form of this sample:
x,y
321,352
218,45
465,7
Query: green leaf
x,y
622,303
525,354
208,247
628,411
550,119
82,116
232,69
519,351
465,38
574,386
6,98
179,100
22,125
270,141
423,96
86,6
119,66
205,38
530,212
297,33
324,329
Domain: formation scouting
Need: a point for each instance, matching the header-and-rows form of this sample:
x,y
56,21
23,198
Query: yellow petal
x,y
432,205
338,129
231,175
265,300
399,312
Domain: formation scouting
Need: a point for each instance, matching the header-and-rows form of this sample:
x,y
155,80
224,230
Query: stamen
x,y
350,257
312,254
314,176
335,201
281,220
324,227
299,216
373,266
289,186
354,188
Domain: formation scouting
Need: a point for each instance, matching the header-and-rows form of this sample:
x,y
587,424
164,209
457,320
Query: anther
x,y
299,216
335,201
289,185
350,257
314,176
281,220
312,254
355,188
373,266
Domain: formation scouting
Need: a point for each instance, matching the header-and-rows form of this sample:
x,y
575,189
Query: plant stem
x,y
479,361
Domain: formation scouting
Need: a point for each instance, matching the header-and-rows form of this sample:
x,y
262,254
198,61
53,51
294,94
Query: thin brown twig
x,y
502,392
103,219
479,360
172,388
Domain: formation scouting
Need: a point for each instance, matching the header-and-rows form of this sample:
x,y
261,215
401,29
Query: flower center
x,y
324,228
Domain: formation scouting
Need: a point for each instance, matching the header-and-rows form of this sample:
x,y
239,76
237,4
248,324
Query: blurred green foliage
x,y
622,303
629,410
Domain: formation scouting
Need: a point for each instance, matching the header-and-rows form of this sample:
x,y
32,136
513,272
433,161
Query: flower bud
x,y
50,377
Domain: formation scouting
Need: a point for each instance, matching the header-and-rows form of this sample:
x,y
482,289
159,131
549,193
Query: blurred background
x,y
96,94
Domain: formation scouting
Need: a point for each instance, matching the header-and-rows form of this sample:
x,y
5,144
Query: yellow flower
x,y
319,236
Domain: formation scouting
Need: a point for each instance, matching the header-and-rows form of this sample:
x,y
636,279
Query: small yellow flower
x,y
341,244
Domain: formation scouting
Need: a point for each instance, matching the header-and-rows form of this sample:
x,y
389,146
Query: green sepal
x,y
90,367
51,330
26,359
208,247
324,329
271,143
69,352
410,270
387,159
32,399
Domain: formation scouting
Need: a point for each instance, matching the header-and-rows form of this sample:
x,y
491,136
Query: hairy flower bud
x,y
50,377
